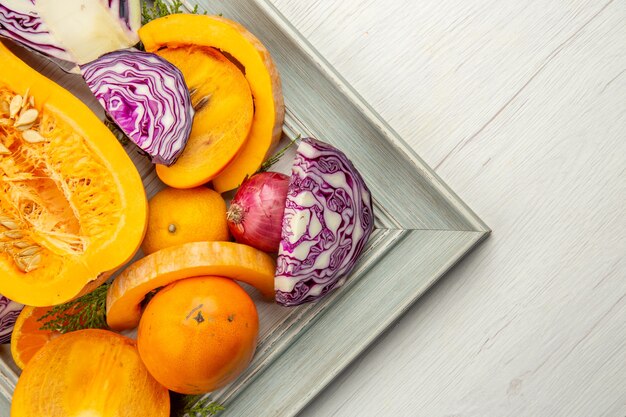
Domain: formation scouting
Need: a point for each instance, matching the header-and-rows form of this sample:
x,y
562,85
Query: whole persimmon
x,y
198,334
182,216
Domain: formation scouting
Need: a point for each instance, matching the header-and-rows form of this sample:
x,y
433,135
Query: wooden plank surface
x,y
521,107
443,230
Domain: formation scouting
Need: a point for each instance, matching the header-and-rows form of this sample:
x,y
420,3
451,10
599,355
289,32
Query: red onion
x,y
256,212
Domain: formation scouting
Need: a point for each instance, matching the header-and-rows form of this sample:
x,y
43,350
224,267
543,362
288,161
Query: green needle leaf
x,y
86,312
160,8
194,406
272,160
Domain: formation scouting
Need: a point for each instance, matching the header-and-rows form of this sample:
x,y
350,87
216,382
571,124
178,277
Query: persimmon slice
x,y
28,338
89,373
221,98
259,69
224,259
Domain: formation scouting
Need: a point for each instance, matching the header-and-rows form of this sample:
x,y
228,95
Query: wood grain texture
x,y
521,106
440,231
351,322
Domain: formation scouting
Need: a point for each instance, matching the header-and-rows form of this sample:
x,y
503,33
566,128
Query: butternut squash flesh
x,y
223,259
72,204
223,108
230,37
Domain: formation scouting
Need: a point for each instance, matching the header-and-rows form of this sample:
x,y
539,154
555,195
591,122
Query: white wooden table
x,y
520,105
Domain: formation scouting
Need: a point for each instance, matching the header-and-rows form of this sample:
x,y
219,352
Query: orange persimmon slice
x,y
232,38
222,101
224,259
89,373
27,337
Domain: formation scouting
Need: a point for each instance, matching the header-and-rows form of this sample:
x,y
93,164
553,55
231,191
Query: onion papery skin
x,y
327,222
9,310
256,212
147,98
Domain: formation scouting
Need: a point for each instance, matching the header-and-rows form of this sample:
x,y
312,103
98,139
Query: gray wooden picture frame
x,y
422,230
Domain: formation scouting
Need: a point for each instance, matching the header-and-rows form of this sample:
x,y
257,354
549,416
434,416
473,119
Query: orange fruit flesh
x,y
179,30
198,334
71,199
225,259
27,338
89,373
222,101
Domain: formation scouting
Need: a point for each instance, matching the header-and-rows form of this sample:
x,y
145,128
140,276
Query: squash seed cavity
x,y
47,207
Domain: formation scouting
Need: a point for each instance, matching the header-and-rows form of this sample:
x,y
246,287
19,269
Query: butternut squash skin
x,y
223,259
222,100
230,37
76,197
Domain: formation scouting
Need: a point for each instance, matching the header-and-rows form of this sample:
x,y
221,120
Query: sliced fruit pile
x,y
223,106
188,32
204,102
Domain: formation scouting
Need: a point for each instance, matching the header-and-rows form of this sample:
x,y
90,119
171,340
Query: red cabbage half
x,y
328,219
20,21
9,310
147,98
77,31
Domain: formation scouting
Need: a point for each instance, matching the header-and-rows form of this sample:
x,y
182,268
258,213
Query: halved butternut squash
x,y
222,100
230,37
72,204
224,259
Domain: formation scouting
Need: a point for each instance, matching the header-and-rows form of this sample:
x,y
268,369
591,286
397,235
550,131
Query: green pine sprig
x,y
195,406
276,157
86,312
160,9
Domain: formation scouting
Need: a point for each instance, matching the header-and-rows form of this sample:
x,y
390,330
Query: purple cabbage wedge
x,y
9,310
327,222
147,98
20,21
77,31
